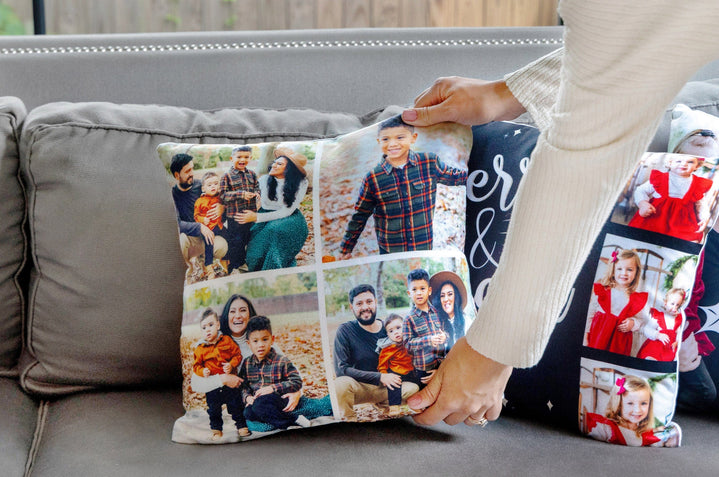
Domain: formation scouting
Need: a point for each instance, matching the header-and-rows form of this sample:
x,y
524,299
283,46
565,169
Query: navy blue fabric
x,y
497,163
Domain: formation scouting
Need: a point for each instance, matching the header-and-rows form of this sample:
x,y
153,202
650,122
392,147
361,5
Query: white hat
x,y
687,122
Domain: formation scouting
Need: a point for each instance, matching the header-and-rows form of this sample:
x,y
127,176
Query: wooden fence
x,y
130,16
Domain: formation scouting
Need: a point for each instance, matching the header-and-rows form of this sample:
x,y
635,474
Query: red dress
x,y
603,333
614,434
675,216
655,348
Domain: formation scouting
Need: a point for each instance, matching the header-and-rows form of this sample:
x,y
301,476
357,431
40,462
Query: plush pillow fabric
x,y
105,295
12,238
697,95
588,365
302,258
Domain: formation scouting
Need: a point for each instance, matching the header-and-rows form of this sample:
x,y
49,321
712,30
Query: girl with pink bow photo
x,y
629,417
617,308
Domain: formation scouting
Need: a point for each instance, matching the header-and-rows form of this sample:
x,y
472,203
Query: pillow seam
x,y
158,132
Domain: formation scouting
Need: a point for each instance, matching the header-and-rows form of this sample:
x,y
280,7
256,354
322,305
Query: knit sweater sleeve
x,y
623,62
536,86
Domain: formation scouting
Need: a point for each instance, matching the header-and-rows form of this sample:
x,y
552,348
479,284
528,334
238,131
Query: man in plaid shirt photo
x,y
400,192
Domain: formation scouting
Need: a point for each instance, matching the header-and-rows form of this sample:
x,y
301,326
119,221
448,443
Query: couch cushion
x,y
12,238
126,434
105,298
17,427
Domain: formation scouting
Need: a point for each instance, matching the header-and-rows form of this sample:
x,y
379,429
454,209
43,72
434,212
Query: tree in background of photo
x,y
10,23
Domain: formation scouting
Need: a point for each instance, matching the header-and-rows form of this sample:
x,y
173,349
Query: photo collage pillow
x,y
611,363
325,279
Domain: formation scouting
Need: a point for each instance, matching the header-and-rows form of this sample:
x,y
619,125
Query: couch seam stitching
x,y
32,291
158,132
42,414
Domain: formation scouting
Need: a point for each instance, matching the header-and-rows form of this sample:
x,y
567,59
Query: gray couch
x,y
90,280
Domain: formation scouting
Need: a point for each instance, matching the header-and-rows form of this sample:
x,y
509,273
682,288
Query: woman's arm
x,y
611,97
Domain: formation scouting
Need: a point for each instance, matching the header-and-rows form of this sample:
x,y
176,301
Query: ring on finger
x,y
481,422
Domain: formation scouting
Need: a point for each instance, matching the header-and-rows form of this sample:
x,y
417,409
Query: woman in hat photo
x,y
279,229
449,297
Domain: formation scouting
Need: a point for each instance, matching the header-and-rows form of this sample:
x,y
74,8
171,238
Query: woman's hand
x,y
463,100
466,385
293,400
246,217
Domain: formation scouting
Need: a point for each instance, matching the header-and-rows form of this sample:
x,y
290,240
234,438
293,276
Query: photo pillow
x,y
325,279
696,132
618,338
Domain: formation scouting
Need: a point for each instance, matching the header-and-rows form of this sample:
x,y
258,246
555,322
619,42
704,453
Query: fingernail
x,y
410,115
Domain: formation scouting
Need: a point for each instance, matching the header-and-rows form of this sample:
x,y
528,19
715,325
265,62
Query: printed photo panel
x,y
671,194
638,296
249,206
369,208
394,317
627,406
289,303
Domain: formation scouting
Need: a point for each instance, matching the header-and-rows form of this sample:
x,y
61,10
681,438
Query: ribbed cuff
x,y
536,86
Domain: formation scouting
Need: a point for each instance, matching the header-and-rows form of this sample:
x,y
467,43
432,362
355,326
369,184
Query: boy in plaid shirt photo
x,y
400,193
267,376
422,332
239,191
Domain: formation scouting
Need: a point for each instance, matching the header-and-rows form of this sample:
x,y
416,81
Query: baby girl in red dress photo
x,y
672,202
663,327
677,202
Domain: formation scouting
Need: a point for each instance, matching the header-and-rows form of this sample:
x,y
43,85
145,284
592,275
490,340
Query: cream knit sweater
x,y
597,103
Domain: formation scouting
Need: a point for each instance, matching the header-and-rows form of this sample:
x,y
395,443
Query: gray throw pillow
x,y
12,238
106,287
